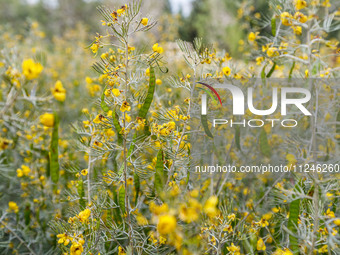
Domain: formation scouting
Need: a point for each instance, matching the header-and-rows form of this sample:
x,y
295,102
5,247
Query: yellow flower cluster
x,y
59,92
31,69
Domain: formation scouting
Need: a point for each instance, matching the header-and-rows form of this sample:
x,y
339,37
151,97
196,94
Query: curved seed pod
x,y
54,155
121,198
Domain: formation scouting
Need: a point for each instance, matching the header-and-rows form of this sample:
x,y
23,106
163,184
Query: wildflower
x,y
260,245
337,222
158,81
259,60
121,251
291,159
4,143
84,172
157,48
297,30
59,92
272,52
98,119
94,48
326,3
64,239
210,206
147,72
330,213
31,69
24,171
141,220
13,207
252,36
300,4
115,92
47,119
121,11
166,224
306,73
158,209
84,215
125,107
286,19
299,16
235,250
144,21
76,248
226,70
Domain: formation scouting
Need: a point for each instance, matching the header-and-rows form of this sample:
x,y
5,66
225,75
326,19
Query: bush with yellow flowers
x,y
100,163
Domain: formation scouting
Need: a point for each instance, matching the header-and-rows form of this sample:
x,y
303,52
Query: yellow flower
x,y
144,21
157,48
297,30
115,92
272,52
84,172
13,206
94,48
226,70
300,4
337,222
31,69
147,72
252,36
141,220
76,249
26,170
98,119
326,3
59,92
286,19
291,159
299,16
260,245
210,206
84,215
47,119
235,250
121,251
166,224
158,81
125,107
64,239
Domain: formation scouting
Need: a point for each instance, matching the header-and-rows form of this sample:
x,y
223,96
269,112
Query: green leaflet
x,y
238,137
149,97
103,105
271,71
121,198
159,175
204,122
291,70
294,210
81,194
54,157
273,23
137,185
115,120
27,214
263,72
263,142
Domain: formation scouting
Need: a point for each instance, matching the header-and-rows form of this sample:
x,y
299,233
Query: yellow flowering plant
x,y
100,162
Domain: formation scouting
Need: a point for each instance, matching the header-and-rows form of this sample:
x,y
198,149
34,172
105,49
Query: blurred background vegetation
x,y
213,20
222,22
